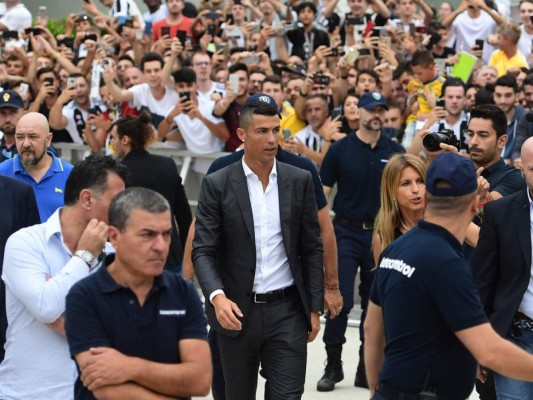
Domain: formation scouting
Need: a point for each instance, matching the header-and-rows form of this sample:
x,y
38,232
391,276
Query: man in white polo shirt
x,y
16,16
202,132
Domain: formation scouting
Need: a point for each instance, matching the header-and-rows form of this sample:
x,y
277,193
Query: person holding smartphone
x,y
174,22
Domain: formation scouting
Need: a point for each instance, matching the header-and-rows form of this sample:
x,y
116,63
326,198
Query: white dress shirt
x,y
272,271
526,306
39,270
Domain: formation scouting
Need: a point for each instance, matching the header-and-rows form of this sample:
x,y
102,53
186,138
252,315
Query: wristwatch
x,y
86,256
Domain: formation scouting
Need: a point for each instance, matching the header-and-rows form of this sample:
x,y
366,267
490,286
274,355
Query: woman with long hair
x,y
403,200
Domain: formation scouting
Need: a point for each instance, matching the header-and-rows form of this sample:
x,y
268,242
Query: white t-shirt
x,y
197,136
16,18
467,30
525,42
143,99
75,116
161,13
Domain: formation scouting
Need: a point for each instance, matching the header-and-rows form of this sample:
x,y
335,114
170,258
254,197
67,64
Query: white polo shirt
x,y
16,18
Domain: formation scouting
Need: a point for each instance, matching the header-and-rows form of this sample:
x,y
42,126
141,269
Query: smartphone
x,y
221,46
148,28
10,35
165,31
440,103
234,82
212,15
139,35
286,134
90,36
351,55
412,30
48,81
336,52
364,52
23,89
94,110
320,79
399,26
185,95
67,42
35,31
71,82
480,43
212,30
420,29
182,37
355,21
290,26
251,59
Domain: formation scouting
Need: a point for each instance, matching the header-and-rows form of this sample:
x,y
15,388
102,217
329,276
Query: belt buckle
x,y
257,301
367,226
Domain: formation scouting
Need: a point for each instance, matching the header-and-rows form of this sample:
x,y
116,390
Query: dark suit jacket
x,y
224,244
18,209
161,175
502,260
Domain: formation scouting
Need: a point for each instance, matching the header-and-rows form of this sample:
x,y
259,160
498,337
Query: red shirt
x,y
184,25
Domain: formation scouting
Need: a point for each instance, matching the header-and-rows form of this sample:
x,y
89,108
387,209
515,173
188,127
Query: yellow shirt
x,y
502,63
436,86
290,121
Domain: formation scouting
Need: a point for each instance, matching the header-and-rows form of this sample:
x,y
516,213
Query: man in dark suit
x,y
502,264
257,254
19,210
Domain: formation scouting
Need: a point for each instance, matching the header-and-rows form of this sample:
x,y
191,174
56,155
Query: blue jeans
x,y
512,389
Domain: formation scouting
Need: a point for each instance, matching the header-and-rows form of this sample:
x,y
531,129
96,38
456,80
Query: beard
x,y
374,124
8,130
31,162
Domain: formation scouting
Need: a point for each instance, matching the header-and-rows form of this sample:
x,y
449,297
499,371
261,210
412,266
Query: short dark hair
x,y
151,56
255,108
46,70
307,4
368,71
493,113
507,81
422,58
484,96
528,80
452,82
138,129
126,57
184,75
272,79
404,66
133,198
238,67
92,173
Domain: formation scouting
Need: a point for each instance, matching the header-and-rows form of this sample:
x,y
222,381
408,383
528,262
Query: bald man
x,y
36,165
502,264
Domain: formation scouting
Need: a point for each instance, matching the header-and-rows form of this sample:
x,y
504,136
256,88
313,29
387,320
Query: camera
x,y
433,140
320,79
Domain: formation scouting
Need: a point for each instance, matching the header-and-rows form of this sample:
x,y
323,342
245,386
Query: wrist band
x,y
332,287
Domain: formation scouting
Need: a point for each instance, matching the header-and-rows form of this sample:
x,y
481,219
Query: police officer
x,y
356,164
424,295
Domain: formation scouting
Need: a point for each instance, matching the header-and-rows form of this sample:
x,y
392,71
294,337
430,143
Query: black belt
x,y
393,394
274,295
523,322
522,316
357,223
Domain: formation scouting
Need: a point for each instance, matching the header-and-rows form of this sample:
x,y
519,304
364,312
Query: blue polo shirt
x,y
356,168
49,190
100,312
427,293
284,157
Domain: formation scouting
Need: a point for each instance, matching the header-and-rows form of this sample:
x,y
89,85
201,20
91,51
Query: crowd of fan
x,y
193,67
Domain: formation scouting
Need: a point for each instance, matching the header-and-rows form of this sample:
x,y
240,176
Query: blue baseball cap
x,y
370,100
454,169
11,99
259,98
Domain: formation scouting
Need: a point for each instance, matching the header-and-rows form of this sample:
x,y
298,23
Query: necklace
x,y
406,228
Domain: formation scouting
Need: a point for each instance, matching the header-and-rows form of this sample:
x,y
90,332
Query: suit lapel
x,y
285,201
240,190
521,215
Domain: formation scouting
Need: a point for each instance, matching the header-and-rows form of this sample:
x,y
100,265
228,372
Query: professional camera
x,y
433,140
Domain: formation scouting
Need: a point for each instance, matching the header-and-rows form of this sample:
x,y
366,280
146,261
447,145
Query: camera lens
x,y
433,140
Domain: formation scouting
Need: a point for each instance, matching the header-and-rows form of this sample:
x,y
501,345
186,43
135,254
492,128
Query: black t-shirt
x,y
304,44
58,135
427,293
448,52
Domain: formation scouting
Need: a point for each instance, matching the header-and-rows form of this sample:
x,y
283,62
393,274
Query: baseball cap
x,y
11,99
454,169
259,98
370,100
295,68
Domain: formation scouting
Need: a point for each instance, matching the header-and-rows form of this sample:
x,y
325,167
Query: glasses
x,y
202,64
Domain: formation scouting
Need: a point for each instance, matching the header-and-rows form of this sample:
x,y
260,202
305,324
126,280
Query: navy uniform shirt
x,y
284,157
356,168
427,292
503,178
100,312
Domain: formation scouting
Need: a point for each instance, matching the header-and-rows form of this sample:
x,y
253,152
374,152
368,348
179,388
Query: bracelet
x,y
332,287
